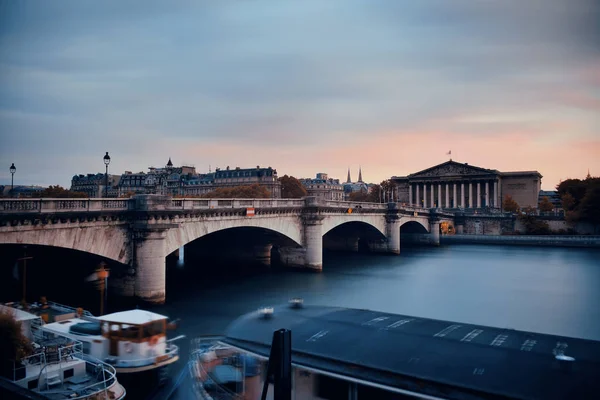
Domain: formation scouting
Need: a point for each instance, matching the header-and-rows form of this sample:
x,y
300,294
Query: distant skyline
x,y
303,87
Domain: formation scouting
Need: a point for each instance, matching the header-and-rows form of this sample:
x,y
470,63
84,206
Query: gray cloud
x,y
78,76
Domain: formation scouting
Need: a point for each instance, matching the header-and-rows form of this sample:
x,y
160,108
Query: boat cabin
x,y
133,333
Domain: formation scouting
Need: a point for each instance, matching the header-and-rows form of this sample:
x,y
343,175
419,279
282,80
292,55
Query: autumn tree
x,y
361,197
546,205
58,192
291,188
13,343
509,204
388,190
568,202
589,208
254,191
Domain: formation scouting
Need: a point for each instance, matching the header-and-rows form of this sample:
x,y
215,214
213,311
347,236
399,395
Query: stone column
x,y
447,195
470,194
425,195
496,194
262,255
439,204
487,194
392,229
432,196
313,235
454,201
434,227
418,199
410,194
478,194
462,194
150,253
181,257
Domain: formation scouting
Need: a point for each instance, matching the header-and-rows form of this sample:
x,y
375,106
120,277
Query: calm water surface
x,y
548,290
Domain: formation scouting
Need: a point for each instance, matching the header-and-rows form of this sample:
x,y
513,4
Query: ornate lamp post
x,y
12,170
106,162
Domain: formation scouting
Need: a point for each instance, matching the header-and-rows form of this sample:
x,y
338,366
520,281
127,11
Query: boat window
x,y
105,327
154,328
331,388
68,373
130,331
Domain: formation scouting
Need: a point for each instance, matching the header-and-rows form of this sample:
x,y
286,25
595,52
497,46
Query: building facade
x,y
94,185
457,185
323,187
352,187
266,177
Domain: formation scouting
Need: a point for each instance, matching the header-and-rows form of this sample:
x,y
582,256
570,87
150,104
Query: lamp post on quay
x,y
12,170
106,162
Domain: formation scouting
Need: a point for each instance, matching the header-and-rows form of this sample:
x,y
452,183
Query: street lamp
x,y
106,162
12,170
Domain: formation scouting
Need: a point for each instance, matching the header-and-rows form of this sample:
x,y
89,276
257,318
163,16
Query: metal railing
x,y
104,374
204,385
194,204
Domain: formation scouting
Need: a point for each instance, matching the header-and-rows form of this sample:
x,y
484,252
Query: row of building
x,y
186,181
447,185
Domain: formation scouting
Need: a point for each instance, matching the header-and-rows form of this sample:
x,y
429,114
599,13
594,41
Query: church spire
x,y
360,174
588,175
348,180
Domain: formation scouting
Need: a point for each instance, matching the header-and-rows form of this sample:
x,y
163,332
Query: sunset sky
x,y
302,86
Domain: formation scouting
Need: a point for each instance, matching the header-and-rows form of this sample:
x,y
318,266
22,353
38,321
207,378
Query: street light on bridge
x,y
12,170
106,162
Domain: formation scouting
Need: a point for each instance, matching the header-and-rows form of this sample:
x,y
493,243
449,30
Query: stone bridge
x,y
142,231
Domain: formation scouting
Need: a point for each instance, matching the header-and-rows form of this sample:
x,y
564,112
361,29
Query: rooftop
x,y
464,361
134,317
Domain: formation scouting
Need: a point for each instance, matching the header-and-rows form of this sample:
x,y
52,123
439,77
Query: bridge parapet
x,y
199,204
8,206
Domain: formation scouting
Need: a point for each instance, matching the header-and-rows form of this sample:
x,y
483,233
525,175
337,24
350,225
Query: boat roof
x,y
62,327
20,315
133,317
434,357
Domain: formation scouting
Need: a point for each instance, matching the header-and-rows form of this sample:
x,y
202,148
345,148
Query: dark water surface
x,y
548,290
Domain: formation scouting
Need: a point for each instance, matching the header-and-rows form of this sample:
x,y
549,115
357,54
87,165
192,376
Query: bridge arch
x,y
375,221
288,226
111,242
413,225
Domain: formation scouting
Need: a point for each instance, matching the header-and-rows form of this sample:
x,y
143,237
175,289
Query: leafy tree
x,y
58,192
589,208
128,194
509,204
291,188
13,344
568,202
361,196
546,205
254,191
574,187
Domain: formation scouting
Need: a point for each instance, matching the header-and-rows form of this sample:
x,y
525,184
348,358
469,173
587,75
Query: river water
x,y
539,289
547,290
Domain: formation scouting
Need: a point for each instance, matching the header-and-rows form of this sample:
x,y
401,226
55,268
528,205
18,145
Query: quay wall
x,y
524,240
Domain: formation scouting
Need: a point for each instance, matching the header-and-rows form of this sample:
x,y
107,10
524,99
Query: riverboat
x,y
134,342
57,367
341,353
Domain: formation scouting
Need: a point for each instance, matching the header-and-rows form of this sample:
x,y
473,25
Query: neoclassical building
x,y
456,185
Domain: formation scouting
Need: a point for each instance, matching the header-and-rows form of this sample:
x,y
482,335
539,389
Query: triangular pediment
x,y
452,168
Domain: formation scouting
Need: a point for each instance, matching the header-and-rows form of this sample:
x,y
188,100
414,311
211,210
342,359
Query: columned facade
x,y
456,185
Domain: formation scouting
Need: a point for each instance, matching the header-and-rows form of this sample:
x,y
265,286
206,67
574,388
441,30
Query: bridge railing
x,y
62,205
353,205
195,204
